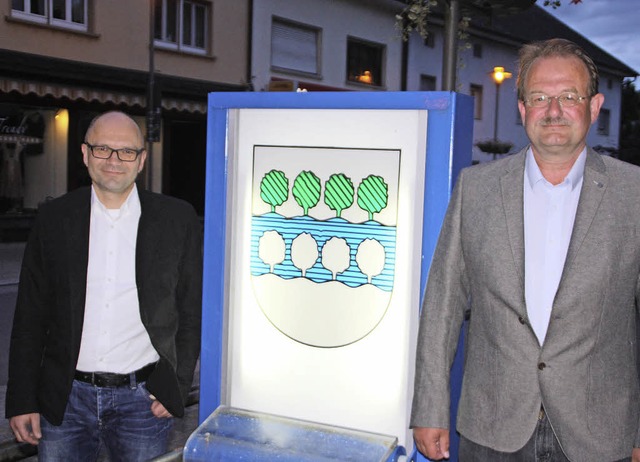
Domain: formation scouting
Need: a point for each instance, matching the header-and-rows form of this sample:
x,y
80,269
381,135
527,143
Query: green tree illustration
x,y
338,193
306,190
373,194
274,188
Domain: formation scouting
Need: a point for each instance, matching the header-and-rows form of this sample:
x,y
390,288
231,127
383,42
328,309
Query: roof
x,y
536,23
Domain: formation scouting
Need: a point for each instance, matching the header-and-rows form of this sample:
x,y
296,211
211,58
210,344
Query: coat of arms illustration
x,y
323,240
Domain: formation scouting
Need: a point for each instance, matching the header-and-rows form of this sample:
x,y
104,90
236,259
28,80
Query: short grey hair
x,y
550,48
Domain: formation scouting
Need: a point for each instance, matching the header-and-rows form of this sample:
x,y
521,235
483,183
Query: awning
x,y
74,93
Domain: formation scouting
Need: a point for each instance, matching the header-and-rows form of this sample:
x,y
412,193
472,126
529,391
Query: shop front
x,y
46,106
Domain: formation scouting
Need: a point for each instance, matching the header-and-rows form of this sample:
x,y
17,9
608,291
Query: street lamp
x,y
498,75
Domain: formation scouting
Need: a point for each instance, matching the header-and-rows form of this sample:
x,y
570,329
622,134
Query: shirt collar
x,y
574,178
130,205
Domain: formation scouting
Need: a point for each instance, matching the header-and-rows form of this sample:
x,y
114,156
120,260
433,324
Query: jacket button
x,y
541,366
521,319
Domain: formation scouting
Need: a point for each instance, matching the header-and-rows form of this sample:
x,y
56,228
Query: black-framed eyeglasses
x,y
565,99
105,152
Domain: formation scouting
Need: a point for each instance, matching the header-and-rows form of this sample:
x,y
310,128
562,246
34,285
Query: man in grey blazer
x,y
106,332
543,247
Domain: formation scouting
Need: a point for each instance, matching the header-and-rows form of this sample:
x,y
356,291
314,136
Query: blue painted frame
x,y
449,143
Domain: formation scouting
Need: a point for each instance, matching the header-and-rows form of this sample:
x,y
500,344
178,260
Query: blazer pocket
x,y
163,384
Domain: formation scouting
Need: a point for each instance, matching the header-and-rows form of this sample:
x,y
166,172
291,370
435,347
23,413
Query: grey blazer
x,y
585,372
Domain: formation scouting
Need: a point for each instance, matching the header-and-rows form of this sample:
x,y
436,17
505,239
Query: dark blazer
x,y
585,372
47,327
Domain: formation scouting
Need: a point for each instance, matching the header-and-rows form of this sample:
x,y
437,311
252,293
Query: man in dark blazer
x,y
106,331
544,248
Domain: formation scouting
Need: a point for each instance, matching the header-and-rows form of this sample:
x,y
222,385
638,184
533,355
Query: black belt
x,y
108,379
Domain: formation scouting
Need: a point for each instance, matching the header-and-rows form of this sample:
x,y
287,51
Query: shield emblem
x,y
323,240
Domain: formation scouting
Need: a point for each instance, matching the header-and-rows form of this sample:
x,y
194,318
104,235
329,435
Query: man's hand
x,y
26,428
158,409
433,442
635,455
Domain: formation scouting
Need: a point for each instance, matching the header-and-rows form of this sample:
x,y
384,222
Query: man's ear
x,y
595,104
85,154
522,109
143,158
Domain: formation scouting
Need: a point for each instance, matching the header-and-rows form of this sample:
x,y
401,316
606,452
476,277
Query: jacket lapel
x,y
511,184
76,231
594,185
146,240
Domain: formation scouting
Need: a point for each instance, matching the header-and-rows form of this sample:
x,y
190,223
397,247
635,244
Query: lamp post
x,y
152,114
498,75
452,16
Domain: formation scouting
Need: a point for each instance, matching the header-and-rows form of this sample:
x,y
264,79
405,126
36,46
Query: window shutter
x,y
294,47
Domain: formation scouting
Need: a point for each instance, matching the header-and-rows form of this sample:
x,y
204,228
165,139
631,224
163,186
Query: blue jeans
x,y
543,446
118,418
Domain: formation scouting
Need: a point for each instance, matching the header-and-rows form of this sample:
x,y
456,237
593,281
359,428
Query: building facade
x,y
355,45
63,62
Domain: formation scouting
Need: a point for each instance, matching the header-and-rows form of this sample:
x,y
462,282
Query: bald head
x,y
112,176
114,120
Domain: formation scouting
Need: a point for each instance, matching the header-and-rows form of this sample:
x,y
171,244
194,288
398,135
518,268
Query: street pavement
x,y
10,261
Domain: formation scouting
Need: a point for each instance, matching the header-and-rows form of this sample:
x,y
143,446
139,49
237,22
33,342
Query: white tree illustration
x,y
370,258
335,255
304,252
271,248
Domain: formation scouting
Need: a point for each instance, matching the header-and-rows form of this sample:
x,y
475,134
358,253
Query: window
x,y
477,50
70,14
295,47
364,62
427,83
181,25
604,119
476,92
430,40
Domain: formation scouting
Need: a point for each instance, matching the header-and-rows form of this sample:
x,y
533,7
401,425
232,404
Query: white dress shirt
x,y
549,213
113,336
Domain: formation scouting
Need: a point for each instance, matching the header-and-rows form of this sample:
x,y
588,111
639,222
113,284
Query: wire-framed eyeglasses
x,y
565,99
105,152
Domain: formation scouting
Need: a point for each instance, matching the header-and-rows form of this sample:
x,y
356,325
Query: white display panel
x,y
334,351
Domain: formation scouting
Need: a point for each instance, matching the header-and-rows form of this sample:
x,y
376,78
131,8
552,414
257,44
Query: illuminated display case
x,y
322,213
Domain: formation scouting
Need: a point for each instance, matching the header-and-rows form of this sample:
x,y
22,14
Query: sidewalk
x,y
10,261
